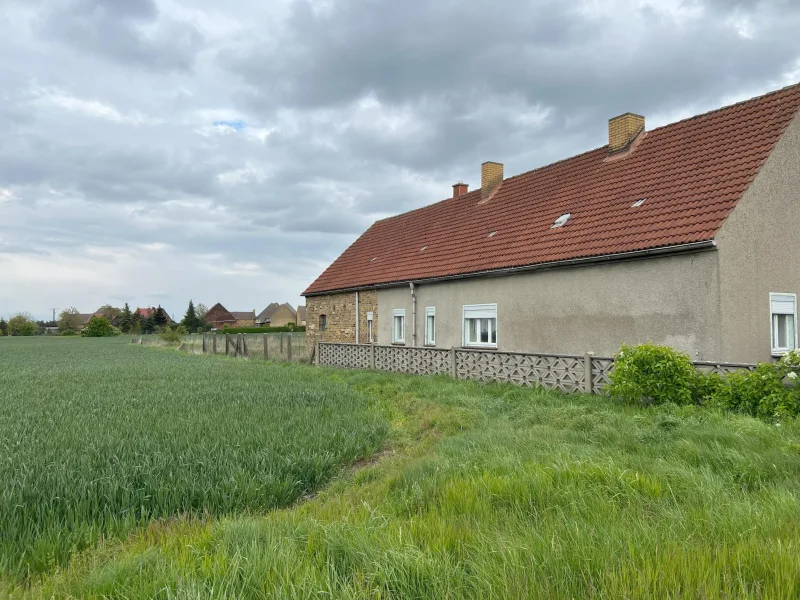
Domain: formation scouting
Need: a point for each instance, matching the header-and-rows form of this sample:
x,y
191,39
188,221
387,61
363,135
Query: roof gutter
x,y
556,264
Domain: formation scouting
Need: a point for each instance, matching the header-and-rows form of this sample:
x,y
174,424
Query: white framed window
x,y
430,326
783,325
370,320
480,325
399,326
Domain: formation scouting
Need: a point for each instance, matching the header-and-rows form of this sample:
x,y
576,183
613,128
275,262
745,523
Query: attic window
x,y
639,202
492,234
561,221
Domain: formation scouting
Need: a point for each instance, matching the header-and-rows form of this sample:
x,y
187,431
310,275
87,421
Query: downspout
x,y
413,316
358,340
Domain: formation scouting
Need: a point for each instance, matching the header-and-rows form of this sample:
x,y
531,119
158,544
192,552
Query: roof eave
x,y
619,256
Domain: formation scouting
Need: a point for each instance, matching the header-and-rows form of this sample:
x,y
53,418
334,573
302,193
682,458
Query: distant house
x,y
301,316
218,317
685,235
277,315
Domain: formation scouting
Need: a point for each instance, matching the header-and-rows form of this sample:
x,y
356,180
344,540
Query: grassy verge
x,y
498,492
99,437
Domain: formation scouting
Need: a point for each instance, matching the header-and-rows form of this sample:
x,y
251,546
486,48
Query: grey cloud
x,y
130,32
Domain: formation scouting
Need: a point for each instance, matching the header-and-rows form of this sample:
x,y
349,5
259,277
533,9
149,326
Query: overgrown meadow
x,y
98,437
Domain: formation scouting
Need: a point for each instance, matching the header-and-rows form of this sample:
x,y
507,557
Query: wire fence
x,y
279,346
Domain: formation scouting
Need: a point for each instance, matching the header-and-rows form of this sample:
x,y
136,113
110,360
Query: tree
x,y
161,318
99,327
191,321
126,320
136,322
200,310
149,322
22,325
3,327
69,321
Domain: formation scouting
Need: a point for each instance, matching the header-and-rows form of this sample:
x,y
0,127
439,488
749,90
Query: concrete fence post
x,y
204,343
281,342
227,343
587,373
245,349
266,347
316,352
372,357
214,344
289,348
453,364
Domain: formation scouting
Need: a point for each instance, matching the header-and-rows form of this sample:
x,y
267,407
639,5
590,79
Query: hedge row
x,y
261,330
652,374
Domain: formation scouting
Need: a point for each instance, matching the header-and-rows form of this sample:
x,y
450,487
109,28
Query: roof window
x,y
562,220
423,249
639,202
492,234
373,259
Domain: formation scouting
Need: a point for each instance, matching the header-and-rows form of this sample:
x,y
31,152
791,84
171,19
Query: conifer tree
x,y
190,321
126,319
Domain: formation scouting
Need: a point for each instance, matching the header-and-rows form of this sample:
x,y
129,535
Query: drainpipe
x,y
358,340
413,316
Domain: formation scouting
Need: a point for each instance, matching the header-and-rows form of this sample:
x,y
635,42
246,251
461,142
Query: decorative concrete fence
x,y
569,373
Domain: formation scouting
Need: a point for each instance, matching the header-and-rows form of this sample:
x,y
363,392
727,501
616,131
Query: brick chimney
x,y
460,189
491,177
623,131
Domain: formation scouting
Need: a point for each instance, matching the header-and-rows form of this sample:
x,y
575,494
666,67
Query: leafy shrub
x,y
68,333
22,325
99,327
705,385
170,336
653,374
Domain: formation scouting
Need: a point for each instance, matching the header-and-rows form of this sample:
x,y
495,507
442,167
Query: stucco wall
x,y
759,252
669,300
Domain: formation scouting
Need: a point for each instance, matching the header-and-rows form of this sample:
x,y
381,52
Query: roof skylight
x,y
561,221
423,248
639,202
373,259
492,233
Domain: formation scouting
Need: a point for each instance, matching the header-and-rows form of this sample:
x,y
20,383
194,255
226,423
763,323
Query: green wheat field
x,y
133,472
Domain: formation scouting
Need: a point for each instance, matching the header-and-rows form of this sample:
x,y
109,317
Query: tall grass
x,y
98,437
497,492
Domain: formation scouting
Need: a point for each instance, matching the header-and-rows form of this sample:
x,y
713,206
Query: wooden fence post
x,y
204,343
245,349
587,372
453,365
214,344
266,347
289,348
227,343
372,357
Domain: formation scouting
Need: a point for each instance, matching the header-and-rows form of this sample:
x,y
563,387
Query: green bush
x,y
99,327
705,385
650,374
171,336
68,333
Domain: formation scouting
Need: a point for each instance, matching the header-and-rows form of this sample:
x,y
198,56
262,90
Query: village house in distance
x,y
685,235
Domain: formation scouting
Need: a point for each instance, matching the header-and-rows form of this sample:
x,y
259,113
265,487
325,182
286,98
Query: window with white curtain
x,y
480,325
783,313
370,321
430,326
399,326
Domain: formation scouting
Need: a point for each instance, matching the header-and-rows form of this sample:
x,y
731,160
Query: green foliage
x,y
126,320
652,374
287,329
3,327
99,327
705,385
173,335
69,321
22,325
69,334
191,321
160,319
101,437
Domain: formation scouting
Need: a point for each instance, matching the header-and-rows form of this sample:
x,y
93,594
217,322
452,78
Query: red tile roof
x,y
692,173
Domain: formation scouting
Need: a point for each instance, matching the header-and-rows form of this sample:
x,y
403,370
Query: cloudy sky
x,y
153,151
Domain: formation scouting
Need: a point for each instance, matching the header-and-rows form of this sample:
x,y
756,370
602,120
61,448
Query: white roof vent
x,y
562,220
639,202
423,249
373,259
492,233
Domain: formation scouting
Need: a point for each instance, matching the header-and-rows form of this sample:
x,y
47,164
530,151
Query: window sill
x,y
398,343
430,345
473,347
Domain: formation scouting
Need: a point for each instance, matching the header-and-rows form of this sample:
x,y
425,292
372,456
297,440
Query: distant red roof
x,y
691,173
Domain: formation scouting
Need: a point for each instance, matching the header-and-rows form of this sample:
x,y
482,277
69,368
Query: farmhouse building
x,y
219,317
277,315
686,235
